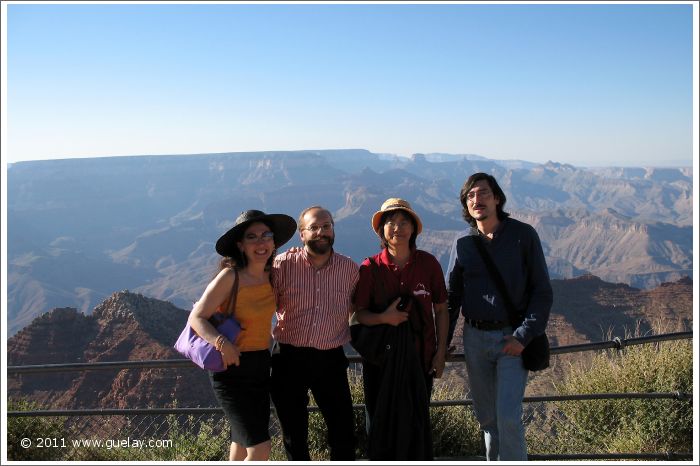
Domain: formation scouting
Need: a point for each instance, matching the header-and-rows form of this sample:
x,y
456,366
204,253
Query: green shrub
x,y
192,438
33,428
456,432
626,425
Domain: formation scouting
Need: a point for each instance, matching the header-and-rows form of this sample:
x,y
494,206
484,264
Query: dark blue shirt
x,y
517,252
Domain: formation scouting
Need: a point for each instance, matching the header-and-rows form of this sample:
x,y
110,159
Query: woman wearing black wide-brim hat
x,y
243,389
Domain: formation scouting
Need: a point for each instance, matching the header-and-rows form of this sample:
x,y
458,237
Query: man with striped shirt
x,y
314,287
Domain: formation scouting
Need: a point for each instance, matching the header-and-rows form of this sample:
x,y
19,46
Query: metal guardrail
x,y
615,343
467,402
621,343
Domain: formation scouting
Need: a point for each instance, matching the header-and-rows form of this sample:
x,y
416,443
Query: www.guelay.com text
x,y
60,442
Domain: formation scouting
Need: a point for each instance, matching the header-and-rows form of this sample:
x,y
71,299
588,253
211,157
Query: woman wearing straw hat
x,y
243,389
402,290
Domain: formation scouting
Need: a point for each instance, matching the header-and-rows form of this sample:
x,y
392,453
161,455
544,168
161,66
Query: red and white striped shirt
x,y
313,306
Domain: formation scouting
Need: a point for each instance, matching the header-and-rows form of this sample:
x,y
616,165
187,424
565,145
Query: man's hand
x,y
513,347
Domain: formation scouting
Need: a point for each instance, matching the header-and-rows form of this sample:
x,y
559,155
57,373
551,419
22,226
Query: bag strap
x,y
234,294
498,280
380,292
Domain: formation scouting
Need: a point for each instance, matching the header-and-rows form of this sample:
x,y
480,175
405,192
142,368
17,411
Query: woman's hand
x,y
438,364
230,353
393,316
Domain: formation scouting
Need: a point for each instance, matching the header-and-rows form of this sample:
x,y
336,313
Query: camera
x,y
403,303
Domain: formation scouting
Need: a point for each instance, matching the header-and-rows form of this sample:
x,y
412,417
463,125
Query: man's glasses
x,y
265,236
482,193
326,227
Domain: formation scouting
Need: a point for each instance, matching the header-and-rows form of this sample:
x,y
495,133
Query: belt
x,y
487,324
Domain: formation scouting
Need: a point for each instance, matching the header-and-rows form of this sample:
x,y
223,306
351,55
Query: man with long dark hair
x,y
492,343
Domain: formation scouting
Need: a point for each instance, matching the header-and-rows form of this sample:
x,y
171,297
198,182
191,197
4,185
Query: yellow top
x,y
254,308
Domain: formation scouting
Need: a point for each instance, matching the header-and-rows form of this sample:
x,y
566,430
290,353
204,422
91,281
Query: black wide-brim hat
x,y
283,227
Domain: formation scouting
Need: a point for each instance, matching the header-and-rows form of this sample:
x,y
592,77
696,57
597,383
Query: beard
x,y
317,247
482,215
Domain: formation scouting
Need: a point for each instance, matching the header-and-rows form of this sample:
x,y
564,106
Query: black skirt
x,y
243,392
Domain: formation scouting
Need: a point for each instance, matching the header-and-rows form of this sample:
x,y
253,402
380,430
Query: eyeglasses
x,y
400,225
483,193
318,228
264,236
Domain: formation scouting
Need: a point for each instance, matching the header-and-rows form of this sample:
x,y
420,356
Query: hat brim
x,y
283,226
378,215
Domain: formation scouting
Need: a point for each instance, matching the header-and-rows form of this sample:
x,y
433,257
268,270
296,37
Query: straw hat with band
x,y
282,226
392,204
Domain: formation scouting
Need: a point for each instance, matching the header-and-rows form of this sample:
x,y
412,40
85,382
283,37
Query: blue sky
x,y
587,84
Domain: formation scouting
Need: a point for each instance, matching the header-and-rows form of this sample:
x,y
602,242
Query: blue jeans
x,y
497,388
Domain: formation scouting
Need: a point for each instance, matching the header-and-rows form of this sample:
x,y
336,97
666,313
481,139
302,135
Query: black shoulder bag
x,y
372,341
536,354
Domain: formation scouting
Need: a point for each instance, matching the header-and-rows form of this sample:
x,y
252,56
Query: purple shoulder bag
x,y
201,352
